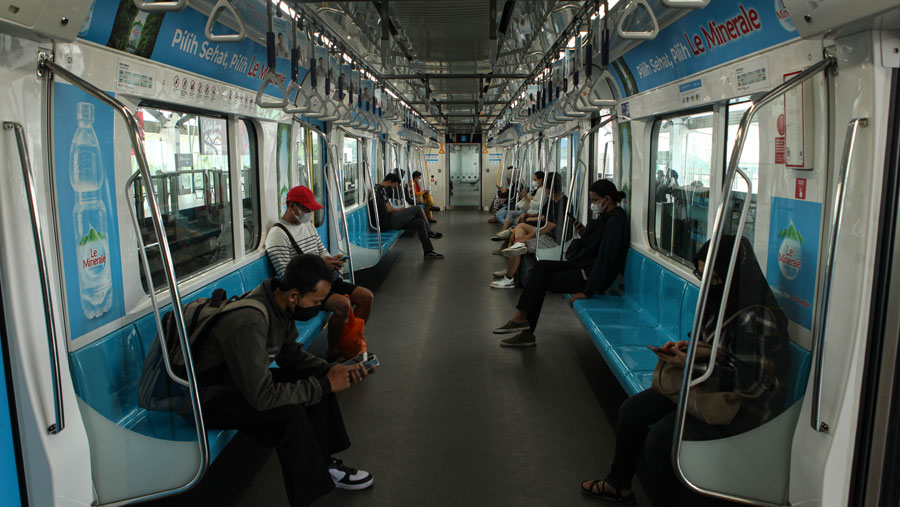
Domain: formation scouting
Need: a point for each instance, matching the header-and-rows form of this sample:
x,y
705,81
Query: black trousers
x,y
304,437
412,219
555,276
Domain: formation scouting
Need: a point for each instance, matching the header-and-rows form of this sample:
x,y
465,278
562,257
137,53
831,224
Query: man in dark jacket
x,y
593,262
293,406
411,218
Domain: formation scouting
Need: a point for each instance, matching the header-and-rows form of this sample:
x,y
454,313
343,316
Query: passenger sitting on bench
x,y
424,197
751,361
411,218
592,264
534,201
525,238
294,234
292,407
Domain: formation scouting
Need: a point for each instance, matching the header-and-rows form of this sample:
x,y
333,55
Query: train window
x,y
188,158
749,162
563,147
680,178
350,170
314,141
605,153
302,162
246,139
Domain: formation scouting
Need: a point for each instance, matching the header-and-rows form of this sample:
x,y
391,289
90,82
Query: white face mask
x,y
596,209
303,218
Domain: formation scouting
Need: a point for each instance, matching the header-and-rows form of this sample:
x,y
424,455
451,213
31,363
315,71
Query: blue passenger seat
x,y
657,306
363,233
106,372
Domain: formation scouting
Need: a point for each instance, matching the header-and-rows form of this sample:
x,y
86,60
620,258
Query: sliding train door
x,y
12,485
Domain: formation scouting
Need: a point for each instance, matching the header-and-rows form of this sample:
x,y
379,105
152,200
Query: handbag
x,y
352,342
711,407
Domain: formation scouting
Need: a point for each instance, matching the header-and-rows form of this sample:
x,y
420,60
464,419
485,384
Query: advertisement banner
x,y
719,33
794,232
178,39
88,223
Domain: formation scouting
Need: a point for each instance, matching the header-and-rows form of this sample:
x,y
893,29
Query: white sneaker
x,y
504,234
504,283
499,274
345,477
518,248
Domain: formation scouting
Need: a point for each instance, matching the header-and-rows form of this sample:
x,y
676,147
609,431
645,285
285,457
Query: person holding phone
x,y
592,264
424,197
751,361
295,234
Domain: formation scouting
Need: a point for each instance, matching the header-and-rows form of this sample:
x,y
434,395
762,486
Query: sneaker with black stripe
x,y
345,477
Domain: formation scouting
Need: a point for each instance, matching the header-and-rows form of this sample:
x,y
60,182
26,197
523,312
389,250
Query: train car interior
x,y
518,252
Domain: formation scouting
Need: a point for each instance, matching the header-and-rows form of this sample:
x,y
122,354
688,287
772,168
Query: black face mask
x,y
716,291
305,312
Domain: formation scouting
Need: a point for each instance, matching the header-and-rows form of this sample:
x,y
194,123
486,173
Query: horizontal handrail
x,y
52,69
824,297
685,4
173,6
38,236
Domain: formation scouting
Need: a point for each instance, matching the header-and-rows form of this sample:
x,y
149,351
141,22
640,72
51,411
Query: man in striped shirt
x,y
294,234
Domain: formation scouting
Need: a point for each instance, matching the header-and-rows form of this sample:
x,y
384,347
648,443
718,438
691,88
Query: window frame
x,y
360,146
238,249
650,188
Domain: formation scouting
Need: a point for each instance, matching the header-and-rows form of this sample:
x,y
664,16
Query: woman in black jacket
x,y
593,263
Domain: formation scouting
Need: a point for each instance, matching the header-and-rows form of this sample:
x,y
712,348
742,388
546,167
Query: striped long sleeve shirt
x,y
279,247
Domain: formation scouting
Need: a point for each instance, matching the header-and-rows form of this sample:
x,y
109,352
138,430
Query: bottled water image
x,y
137,28
86,26
89,214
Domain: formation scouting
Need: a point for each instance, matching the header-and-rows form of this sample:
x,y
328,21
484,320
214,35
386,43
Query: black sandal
x,y
595,491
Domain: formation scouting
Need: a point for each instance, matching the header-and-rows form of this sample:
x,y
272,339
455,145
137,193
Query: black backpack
x,y
156,389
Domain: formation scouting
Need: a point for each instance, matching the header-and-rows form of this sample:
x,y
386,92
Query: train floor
x,y
452,418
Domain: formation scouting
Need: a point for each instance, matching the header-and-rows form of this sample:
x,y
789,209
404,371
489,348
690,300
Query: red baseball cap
x,y
304,196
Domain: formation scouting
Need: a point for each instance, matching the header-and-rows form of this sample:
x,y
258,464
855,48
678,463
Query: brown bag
x,y
710,407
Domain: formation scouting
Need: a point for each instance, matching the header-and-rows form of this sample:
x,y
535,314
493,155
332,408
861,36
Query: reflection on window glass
x,y
748,163
350,170
302,166
563,152
246,140
680,180
605,153
188,159
318,176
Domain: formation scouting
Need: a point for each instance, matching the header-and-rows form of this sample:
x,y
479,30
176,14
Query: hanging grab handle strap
x,y
220,7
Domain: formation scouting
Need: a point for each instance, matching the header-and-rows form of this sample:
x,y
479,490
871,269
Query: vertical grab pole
x,y
823,298
37,232
715,239
137,145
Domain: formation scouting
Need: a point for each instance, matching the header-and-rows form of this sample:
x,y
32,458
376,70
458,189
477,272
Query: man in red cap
x,y
294,234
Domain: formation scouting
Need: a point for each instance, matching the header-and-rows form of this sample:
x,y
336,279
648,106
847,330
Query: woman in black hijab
x,y
751,360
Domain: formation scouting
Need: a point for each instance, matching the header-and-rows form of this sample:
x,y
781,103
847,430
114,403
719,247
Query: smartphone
x,y
659,350
369,361
344,258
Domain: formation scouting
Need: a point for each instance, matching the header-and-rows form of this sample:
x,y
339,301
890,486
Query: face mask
x,y
302,217
597,208
305,312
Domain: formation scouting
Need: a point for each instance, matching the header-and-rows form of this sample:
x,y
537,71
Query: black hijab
x,y
748,286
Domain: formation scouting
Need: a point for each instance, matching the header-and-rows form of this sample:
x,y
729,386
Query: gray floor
x,y
451,418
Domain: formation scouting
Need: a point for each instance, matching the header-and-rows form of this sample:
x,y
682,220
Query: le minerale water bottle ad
x,y
85,179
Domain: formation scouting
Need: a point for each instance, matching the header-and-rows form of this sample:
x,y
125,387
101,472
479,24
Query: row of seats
x,y
106,372
364,238
657,306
